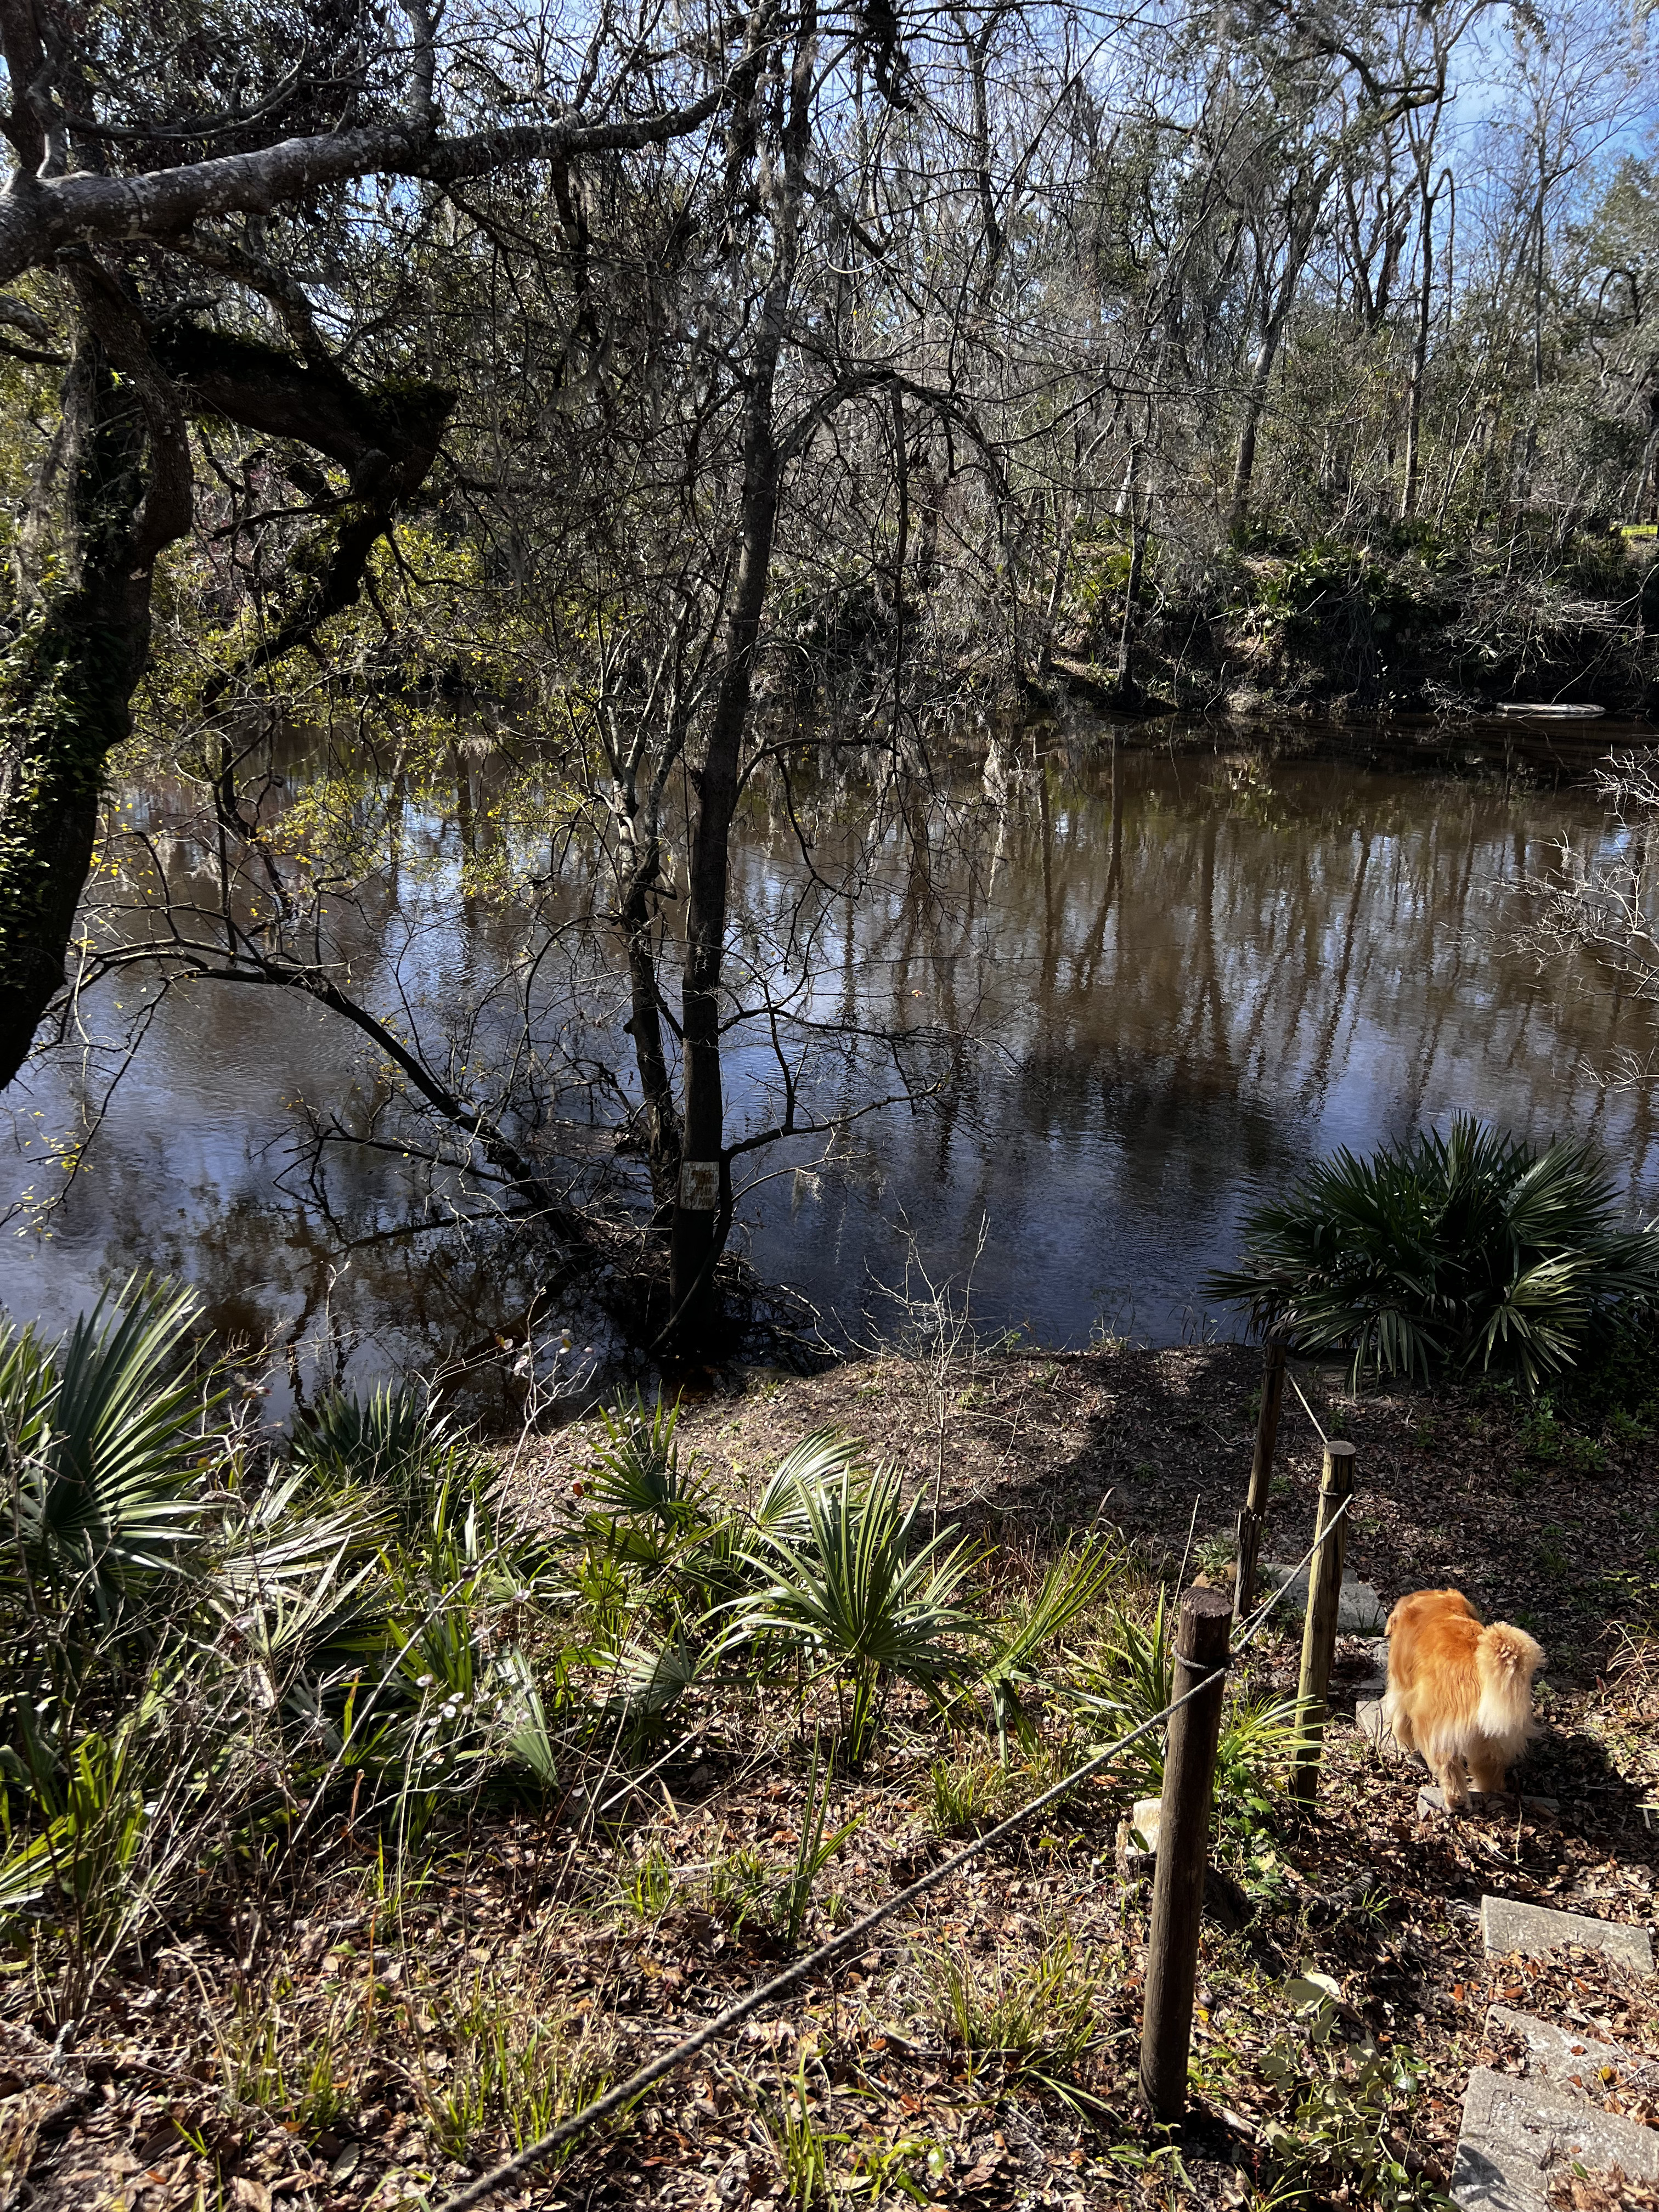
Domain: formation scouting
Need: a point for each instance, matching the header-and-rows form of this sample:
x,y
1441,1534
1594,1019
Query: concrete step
x,y
1518,2133
1368,1719
1574,2065
1507,1925
1373,1657
1359,1610
1483,1805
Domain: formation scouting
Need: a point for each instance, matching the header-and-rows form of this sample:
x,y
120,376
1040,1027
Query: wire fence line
x,y
1308,1409
645,2077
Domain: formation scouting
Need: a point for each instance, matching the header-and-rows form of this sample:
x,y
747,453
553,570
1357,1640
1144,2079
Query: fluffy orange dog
x,y
1458,1693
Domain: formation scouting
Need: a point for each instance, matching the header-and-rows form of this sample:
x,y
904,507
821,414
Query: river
x,y
1187,968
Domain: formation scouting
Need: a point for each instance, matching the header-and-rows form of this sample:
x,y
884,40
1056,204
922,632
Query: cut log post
x,y
1324,1601
1183,1848
1254,1517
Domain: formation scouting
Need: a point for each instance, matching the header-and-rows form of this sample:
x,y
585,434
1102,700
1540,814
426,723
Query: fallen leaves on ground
x,y
325,2045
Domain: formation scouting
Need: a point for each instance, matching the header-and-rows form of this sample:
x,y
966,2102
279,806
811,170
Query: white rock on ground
x,y
1368,1719
1148,1811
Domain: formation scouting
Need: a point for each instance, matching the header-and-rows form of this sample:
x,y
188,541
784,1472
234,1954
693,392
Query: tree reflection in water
x,y
1184,972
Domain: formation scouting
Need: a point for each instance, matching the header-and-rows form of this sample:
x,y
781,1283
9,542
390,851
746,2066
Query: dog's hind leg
x,y
1397,1721
1487,1770
1453,1786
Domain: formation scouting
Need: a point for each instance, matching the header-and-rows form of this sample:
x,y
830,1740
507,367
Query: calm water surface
x,y
1188,971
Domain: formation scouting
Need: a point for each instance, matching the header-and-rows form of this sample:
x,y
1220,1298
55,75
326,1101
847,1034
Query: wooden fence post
x,y
1183,1849
1324,1600
1253,1518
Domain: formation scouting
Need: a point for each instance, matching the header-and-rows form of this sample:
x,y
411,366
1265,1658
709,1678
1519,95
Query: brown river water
x,y
1188,967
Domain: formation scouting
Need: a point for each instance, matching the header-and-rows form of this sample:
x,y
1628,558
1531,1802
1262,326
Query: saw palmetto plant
x,y
1468,1253
104,1435
851,1586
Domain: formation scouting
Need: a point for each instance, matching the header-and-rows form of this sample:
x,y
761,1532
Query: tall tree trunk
x,y
1255,403
661,1129
1277,303
1419,357
120,483
1126,688
703,1209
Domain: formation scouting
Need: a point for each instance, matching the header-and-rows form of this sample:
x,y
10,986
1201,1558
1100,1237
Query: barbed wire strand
x,y
644,2077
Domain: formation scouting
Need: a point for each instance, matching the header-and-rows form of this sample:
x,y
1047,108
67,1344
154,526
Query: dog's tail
x,y
1506,1661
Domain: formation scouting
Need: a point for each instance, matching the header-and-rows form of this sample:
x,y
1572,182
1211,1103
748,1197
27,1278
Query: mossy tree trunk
x,y
115,494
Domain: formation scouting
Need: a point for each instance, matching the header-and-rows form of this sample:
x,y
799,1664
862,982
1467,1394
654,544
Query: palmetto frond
x,y
394,1443
852,1588
818,1462
1448,1253
106,1435
637,1469
288,1576
1072,1585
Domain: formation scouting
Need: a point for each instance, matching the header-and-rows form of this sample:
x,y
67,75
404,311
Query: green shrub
x,y
846,1584
207,1645
106,1437
1617,1376
1073,1584
1349,2109
1469,1252
636,1471
393,1443
1128,1678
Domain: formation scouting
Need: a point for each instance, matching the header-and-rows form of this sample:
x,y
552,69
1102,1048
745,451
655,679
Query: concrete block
x,y
1517,2134
1573,2064
1133,1864
1482,1807
1507,1925
1368,1719
1136,1839
1359,1610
